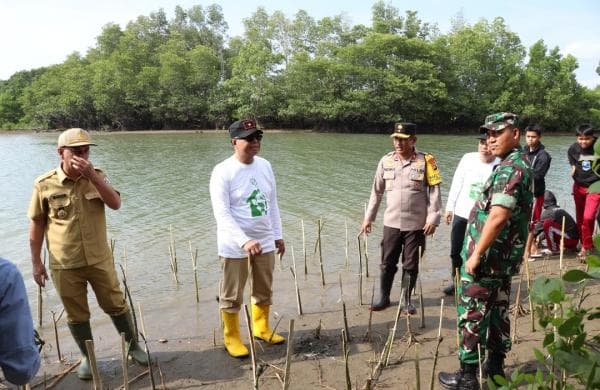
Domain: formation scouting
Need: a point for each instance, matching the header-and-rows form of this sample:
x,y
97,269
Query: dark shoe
x,y
410,309
449,291
124,324
385,287
463,379
409,281
82,332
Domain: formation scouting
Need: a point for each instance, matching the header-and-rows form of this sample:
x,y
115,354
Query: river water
x,y
163,180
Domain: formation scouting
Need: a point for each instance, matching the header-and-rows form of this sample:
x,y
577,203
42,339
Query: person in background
x,y
67,208
244,200
471,173
411,181
581,157
548,230
493,248
540,163
19,355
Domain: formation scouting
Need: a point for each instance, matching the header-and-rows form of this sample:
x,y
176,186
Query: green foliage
x,y
573,356
183,72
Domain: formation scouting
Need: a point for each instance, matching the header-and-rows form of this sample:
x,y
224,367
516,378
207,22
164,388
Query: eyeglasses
x,y
78,150
252,137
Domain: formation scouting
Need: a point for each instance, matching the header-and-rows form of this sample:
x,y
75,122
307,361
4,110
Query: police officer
x,y
411,181
67,207
493,249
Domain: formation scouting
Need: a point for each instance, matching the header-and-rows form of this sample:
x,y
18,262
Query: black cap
x,y
243,128
404,130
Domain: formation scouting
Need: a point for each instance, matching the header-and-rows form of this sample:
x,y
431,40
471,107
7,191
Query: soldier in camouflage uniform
x,y
494,246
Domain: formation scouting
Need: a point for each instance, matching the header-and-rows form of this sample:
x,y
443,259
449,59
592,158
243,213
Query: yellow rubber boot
x,y
260,325
231,335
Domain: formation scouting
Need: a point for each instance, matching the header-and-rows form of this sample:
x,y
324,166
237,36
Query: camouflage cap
x,y
404,130
498,121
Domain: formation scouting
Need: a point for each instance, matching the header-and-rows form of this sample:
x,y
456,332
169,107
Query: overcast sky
x,y
37,33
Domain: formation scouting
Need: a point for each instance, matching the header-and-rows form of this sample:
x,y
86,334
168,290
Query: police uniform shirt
x,y
75,219
411,201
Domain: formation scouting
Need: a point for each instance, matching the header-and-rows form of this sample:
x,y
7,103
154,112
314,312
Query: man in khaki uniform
x,y
67,207
411,181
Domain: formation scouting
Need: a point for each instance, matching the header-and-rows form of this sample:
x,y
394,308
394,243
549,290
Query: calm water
x,y
163,180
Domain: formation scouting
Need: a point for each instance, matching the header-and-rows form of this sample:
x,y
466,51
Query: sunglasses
x,y
252,137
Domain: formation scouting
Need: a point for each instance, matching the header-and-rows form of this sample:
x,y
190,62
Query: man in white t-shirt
x,y
244,201
470,175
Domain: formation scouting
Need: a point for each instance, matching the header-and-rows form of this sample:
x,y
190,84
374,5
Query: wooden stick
x,y
57,378
417,368
288,355
562,246
137,377
145,338
89,346
128,294
480,368
368,335
360,273
345,352
531,314
124,354
366,241
437,347
194,256
457,281
54,322
40,299
252,348
304,248
398,311
293,270
173,255
347,333
319,227
516,309
421,304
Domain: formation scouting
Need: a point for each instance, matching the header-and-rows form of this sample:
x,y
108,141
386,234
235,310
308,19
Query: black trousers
x,y
397,242
457,238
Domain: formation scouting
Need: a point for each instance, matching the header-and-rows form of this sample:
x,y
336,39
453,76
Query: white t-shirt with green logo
x,y
469,178
244,201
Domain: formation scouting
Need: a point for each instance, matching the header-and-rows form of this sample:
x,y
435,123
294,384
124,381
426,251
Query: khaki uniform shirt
x,y
75,221
411,201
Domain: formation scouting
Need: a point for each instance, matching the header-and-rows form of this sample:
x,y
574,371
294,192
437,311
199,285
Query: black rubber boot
x,y
124,324
493,366
82,331
463,379
449,291
385,287
409,280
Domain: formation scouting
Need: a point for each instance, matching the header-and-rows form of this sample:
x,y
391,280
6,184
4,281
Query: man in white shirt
x,y
244,201
471,173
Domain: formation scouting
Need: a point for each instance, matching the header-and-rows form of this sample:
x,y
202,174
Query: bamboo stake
x,y
318,330
417,368
437,347
40,297
304,248
345,351
360,274
293,270
252,348
288,355
89,346
137,377
128,294
346,231
124,354
398,311
58,377
319,227
54,323
145,338
562,246
194,256
456,298
531,314
366,242
480,369
347,333
421,304
368,335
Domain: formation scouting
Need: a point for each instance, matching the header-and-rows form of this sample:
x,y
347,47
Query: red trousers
x,y
586,206
552,230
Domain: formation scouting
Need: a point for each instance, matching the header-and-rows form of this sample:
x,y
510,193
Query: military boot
x,y
463,379
82,331
494,366
386,280
409,281
124,324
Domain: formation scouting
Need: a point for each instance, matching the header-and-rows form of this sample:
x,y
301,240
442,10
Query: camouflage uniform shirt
x,y
508,186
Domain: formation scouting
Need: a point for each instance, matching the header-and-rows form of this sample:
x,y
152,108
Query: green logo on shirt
x,y
258,203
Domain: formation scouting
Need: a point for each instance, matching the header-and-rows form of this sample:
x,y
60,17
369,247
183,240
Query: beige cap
x,y
74,137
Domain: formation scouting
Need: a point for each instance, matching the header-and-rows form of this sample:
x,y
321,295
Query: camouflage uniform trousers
x,y
483,316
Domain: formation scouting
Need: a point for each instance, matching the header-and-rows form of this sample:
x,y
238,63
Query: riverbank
x,y
185,339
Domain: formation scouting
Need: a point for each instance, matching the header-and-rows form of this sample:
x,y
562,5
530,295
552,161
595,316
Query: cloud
x,y
584,50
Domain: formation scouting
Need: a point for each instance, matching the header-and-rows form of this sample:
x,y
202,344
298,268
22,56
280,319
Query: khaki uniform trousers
x,y
71,285
235,273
